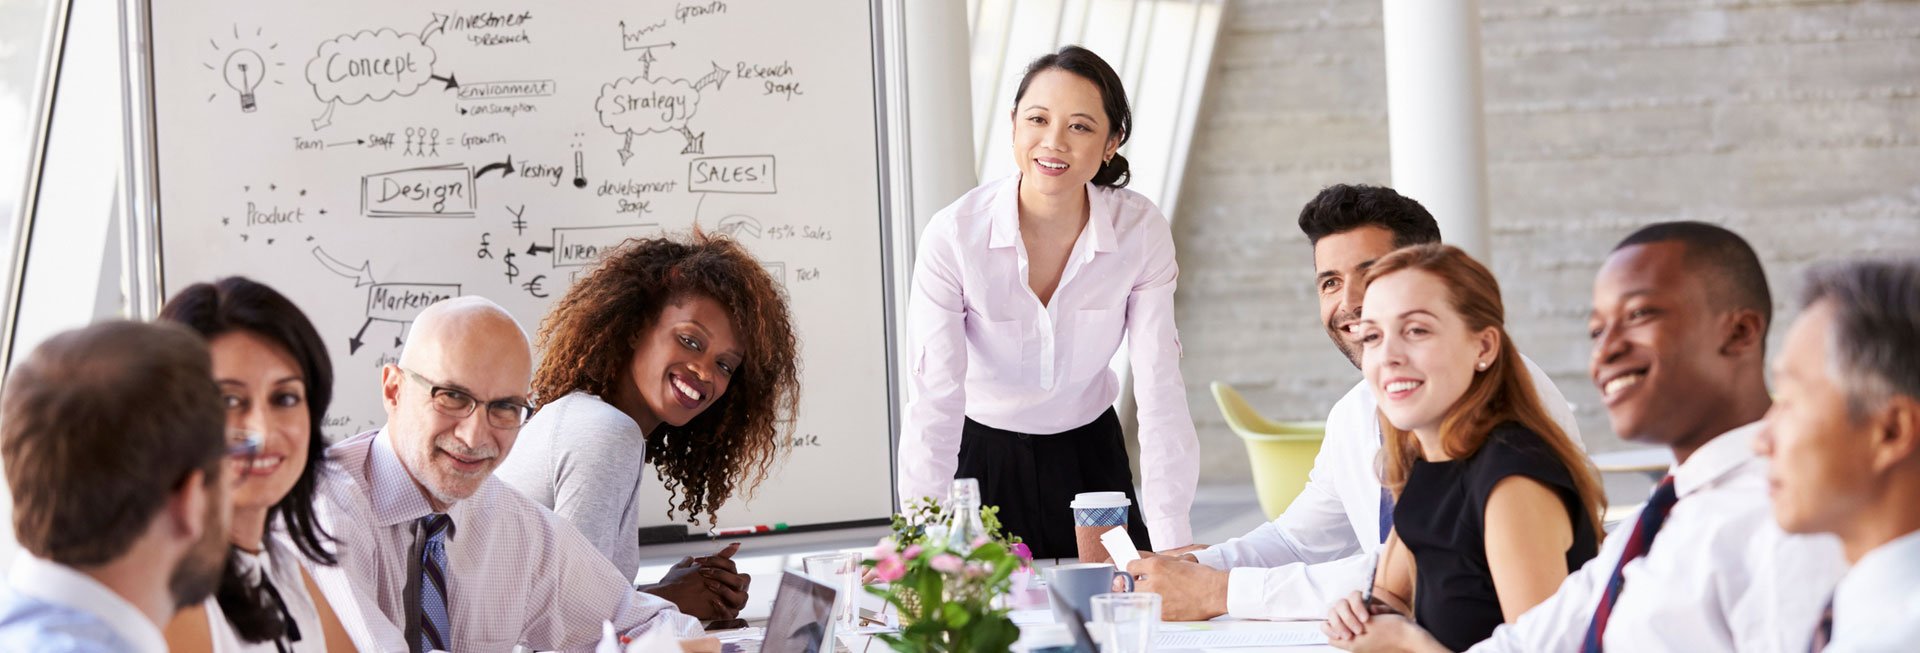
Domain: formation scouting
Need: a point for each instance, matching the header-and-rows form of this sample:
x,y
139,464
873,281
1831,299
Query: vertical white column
x,y
1434,120
939,106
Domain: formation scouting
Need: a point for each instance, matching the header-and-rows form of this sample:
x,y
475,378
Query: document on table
x,y
1119,547
1169,638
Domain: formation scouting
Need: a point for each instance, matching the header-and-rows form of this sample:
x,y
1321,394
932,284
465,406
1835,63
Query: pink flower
x,y
885,548
890,568
947,563
1020,549
913,551
978,569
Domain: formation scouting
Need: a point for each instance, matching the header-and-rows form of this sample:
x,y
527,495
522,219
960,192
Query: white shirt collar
x,y
1880,585
59,584
1717,458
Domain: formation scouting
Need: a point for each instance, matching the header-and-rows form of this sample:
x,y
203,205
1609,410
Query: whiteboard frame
x,y
53,50
145,281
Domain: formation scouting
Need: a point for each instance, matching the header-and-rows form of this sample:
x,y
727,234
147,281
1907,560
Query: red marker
x,y
747,530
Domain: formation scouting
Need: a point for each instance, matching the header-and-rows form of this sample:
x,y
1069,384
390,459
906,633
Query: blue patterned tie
x,y
436,629
1652,517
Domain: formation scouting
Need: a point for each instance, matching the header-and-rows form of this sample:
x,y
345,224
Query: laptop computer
x,y
802,609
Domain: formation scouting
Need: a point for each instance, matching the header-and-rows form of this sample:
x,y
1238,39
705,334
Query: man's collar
x,y
62,585
1717,458
395,496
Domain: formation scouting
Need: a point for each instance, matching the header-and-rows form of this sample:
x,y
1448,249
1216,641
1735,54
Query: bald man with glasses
x,y
436,553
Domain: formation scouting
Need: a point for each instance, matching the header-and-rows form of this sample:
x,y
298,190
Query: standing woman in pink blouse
x,y
1022,293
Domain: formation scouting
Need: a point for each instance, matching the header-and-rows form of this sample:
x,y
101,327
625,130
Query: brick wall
x,y
1795,123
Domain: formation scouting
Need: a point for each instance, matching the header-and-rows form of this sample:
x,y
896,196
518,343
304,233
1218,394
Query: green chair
x,y
1281,452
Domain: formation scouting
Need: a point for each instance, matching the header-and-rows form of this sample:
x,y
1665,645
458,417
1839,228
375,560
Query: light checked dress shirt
x,y
51,607
1877,606
983,346
1720,576
516,573
1296,565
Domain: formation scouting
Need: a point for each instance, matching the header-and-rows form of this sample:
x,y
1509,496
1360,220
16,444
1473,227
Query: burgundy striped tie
x,y
1651,518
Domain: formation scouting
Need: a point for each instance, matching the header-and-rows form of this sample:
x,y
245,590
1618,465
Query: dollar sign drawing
x,y
512,270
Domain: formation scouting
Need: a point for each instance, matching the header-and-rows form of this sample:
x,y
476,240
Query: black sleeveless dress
x,y
1441,518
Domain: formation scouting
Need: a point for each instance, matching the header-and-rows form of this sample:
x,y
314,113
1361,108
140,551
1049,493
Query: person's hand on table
x,y
707,588
1185,552
1189,591
1353,625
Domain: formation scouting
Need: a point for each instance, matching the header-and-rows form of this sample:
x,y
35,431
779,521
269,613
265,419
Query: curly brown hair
x,y
587,343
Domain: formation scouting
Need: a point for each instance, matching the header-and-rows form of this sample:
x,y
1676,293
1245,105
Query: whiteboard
x,y
370,158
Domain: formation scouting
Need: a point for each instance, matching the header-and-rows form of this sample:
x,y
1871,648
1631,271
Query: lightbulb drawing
x,y
244,71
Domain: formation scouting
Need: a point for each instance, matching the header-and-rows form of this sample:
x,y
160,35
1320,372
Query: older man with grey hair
x,y
437,554
1844,439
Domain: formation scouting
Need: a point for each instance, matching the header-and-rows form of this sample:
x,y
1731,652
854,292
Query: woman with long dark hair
x,y
1022,292
276,381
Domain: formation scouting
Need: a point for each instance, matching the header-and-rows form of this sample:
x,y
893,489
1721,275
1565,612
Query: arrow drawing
x,y
362,276
451,81
626,150
354,343
715,77
436,25
326,118
696,143
504,168
534,249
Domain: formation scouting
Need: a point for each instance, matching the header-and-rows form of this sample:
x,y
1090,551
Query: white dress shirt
x,y
516,574
281,563
983,346
64,586
1720,576
1877,606
1296,565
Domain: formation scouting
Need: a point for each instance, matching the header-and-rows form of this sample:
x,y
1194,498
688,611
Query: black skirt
x,y
1033,478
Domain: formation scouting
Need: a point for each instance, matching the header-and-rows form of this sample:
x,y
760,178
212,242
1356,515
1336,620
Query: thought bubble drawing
x,y
637,106
370,65
644,106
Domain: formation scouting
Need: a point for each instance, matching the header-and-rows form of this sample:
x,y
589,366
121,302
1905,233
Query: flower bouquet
x,y
945,595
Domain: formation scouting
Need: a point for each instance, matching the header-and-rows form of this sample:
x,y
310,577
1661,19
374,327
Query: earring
x,y
1482,366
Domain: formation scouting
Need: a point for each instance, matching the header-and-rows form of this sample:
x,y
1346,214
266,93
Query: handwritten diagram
x,y
369,158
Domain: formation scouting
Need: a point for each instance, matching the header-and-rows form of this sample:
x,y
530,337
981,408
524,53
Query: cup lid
x,y
1101,500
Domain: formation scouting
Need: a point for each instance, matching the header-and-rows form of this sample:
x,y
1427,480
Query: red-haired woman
x,y
1494,504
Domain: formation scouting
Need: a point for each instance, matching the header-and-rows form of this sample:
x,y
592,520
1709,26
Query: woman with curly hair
x,y
675,352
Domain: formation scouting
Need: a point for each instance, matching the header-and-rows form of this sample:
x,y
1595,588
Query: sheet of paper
x,y
1029,617
1119,547
1235,638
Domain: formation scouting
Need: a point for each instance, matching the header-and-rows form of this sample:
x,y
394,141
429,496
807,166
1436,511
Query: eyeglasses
x,y
455,403
243,446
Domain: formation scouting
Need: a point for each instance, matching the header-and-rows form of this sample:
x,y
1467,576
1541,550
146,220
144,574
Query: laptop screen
x,y
801,610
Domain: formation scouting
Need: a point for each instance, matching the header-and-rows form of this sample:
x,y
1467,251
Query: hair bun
x,y
1113,173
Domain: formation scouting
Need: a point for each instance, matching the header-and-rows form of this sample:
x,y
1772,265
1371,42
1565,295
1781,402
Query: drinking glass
x,y
1126,621
841,571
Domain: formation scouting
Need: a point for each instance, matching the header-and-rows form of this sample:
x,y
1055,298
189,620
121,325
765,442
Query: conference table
x,y
1032,616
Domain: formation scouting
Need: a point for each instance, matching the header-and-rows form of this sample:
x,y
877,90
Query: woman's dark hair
x,y
236,304
587,345
1113,97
